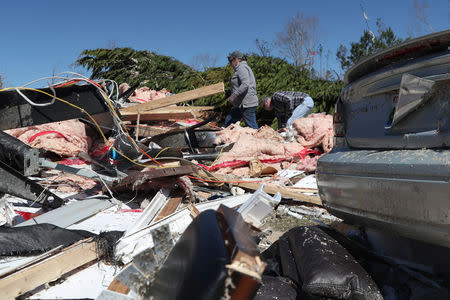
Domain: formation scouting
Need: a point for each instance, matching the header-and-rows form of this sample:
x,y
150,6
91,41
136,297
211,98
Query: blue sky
x,y
43,37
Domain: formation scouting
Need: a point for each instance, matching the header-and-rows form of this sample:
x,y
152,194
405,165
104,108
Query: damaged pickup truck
x,y
390,166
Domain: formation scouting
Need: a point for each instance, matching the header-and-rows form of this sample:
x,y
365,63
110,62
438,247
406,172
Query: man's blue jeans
x,y
248,114
302,110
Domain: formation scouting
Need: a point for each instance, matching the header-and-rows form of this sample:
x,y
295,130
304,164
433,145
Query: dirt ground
x,y
279,221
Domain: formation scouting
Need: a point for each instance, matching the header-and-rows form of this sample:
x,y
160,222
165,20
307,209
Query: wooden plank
x,y
118,287
178,98
158,116
50,269
302,190
170,109
244,253
147,131
271,189
159,172
169,208
161,116
179,109
194,212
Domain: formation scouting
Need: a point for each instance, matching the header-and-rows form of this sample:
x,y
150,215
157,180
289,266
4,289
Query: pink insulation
x,y
247,147
315,130
232,133
267,133
70,183
266,144
308,164
66,138
143,94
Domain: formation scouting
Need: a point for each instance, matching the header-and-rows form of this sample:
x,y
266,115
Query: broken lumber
x,y
151,174
302,190
49,269
158,116
178,98
270,189
171,206
173,108
147,131
244,253
118,287
166,113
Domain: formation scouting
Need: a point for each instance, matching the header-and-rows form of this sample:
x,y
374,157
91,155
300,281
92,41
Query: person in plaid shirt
x,y
288,106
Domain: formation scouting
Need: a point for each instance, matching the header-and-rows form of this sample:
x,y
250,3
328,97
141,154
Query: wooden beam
x,y
166,113
147,131
178,98
173,108
169,109
170,207
243,251
149,174
152,116
272,189
50,269
118,287
302,190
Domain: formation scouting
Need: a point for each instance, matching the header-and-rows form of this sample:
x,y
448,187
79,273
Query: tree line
x,y
272,74
296,70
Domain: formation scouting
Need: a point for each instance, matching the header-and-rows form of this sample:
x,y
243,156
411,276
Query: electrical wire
x,y
162,150
118,122
68,81
85,112
38,104
217,158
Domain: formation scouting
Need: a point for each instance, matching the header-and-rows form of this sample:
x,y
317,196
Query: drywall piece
x,y
307,182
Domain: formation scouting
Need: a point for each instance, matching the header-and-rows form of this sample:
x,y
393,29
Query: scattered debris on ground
x,y
133,195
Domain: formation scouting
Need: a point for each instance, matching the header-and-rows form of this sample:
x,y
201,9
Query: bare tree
x,y
1,81
419,13
204,61
264,47
298,40
320,51
112,44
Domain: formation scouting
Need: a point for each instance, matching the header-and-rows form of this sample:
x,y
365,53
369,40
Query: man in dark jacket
x,y
243,92
288,106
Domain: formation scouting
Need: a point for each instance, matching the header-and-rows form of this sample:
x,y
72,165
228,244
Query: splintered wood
x,y
51,268
170,112
177,98
285,192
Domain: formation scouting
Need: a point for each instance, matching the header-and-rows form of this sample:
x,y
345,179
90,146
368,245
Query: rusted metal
x,y
141,177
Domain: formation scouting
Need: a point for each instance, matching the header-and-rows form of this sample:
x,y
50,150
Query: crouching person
x,y
288,106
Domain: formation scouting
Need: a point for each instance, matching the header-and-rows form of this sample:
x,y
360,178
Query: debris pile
x,y
122,198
